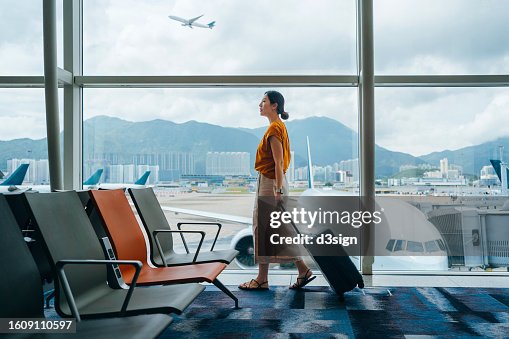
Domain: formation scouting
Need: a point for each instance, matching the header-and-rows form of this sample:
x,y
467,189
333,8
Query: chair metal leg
x,y
227,291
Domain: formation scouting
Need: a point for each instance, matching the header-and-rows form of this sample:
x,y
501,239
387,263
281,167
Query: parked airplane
x,y
399,247
90,183
14,180
497,165
140,183
192,22
93,181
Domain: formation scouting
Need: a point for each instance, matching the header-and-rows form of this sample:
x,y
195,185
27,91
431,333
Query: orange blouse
x,y
264,160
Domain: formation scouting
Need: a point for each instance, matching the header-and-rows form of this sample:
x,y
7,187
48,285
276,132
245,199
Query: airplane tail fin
x,y
143,179
94,178
17,177
211,24
311,183
497,167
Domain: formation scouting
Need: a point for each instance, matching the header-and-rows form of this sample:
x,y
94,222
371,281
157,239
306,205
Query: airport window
x,y
23,134
448,139
185,137
259,38
21,38
436,37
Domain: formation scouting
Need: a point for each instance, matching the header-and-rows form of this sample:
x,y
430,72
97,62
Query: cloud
x,y
227,107
133,37
461,36
448,118
22,114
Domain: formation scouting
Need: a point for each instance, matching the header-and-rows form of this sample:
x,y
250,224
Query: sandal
x,y
257,287
301,282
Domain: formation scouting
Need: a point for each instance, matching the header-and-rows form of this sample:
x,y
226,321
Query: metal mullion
x,y
22,81
65,77
217,81
442,80
72,95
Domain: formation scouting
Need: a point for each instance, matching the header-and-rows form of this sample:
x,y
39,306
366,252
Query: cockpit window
x,y
414,246
400,245
431,246
390,245
441,244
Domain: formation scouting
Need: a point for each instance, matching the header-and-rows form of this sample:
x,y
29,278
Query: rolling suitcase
x,y
339,270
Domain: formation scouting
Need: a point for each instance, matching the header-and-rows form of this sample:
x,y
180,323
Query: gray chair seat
x,y
136,327
153,218
203,257
168,299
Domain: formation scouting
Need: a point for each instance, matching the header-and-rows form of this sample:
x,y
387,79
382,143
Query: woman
x,y
272,161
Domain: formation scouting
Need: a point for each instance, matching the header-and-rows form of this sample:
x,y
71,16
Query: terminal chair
x,y
129,242
153,219
22,295
33,239
68,234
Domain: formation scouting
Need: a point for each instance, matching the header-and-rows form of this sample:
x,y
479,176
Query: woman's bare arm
x,y
277,154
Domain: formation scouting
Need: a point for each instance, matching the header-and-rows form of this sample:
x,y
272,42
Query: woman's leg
x,y
263,273
303,269
261,281
305,275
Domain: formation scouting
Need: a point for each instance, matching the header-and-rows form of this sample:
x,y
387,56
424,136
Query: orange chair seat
x,y
129,244
176,274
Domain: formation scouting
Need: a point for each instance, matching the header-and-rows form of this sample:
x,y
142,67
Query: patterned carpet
x,y
402,312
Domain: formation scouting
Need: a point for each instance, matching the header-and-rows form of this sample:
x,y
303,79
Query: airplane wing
x,y
216,216
178,19
13,190
194,19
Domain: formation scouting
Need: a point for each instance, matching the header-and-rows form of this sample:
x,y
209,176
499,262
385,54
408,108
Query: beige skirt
x,y
267,187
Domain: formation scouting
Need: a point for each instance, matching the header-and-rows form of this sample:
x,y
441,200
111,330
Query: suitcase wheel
x,y
360,284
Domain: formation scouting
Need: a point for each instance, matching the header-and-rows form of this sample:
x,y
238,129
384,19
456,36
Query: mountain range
x,y
330,142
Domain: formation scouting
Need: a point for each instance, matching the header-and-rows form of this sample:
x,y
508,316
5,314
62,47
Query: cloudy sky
x,y
133,37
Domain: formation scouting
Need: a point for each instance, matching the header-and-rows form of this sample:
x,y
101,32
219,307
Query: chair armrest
x,y
160,249
67,289
219,226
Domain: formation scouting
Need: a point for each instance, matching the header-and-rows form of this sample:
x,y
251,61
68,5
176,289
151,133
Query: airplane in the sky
x,y
192,22
140,183
14,180
399,246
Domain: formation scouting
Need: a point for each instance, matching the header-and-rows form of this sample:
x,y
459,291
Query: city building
x,y
228,163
